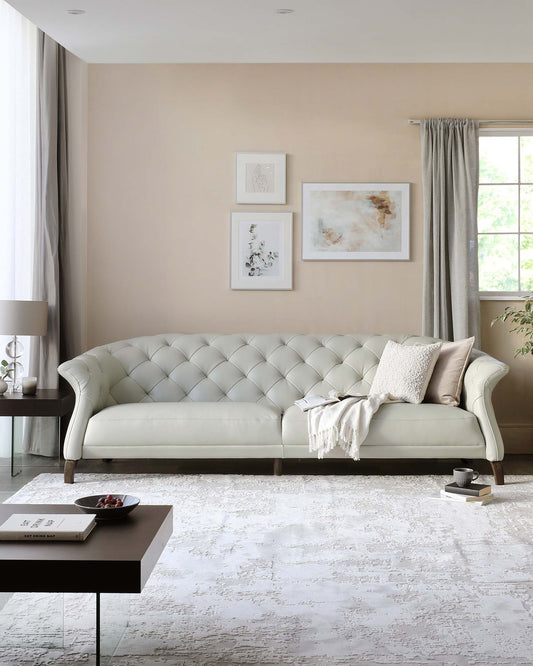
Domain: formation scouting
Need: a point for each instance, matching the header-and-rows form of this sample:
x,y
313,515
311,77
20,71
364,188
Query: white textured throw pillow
x,y
404,371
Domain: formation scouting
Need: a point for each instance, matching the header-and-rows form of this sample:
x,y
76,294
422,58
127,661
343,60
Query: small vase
x,y
3,387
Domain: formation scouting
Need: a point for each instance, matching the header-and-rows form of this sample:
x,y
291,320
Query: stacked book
x,y
47,527
475,492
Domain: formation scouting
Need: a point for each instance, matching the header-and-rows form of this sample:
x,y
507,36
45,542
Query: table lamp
x,y
21,318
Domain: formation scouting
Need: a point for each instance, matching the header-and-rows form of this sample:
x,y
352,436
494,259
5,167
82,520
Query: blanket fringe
x,y
325,441
344,423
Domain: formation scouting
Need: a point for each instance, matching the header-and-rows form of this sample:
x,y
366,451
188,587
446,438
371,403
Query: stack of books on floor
x,y
478,493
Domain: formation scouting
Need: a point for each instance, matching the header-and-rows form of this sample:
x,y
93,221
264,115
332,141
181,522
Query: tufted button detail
x,y
273,369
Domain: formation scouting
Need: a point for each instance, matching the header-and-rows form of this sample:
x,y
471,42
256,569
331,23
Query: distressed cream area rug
x,y
311,570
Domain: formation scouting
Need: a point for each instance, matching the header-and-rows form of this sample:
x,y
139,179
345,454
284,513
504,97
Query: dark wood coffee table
x,y
117,557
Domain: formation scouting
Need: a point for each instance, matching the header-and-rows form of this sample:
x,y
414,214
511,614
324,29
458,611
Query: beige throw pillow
x,y
404,371
446,382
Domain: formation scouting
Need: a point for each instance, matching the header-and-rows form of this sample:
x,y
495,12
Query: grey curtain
x,y
52,192
450,165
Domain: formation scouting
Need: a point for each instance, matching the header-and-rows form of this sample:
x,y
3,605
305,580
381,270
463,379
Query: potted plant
x,y
522,318
4,372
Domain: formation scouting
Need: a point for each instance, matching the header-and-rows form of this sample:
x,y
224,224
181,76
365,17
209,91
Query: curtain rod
x,y
487,122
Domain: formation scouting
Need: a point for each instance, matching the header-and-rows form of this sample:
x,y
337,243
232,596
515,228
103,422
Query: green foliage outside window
x,y
499,209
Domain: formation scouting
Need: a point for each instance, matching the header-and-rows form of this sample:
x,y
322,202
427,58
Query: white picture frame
x,y
261,250
260,178
355,222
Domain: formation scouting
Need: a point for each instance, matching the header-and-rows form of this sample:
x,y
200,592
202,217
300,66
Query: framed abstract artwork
x,y
261,178
355,221
261,250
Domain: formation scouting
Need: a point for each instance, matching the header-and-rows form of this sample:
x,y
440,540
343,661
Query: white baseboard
x,y
517,437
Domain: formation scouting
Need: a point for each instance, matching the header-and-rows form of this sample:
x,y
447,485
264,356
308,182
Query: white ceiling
x,y
127,31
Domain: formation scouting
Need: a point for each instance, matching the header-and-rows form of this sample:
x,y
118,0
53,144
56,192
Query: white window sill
x,y
488,296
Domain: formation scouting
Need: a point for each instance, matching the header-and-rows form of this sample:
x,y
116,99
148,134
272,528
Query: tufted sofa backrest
x,y
271,369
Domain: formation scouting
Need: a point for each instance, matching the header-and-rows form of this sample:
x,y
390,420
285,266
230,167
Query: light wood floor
x,y
35,465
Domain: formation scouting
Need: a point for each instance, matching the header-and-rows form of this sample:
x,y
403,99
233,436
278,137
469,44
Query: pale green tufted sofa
x,y
231,396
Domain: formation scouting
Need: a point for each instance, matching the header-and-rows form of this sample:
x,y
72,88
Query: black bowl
x,y
88,504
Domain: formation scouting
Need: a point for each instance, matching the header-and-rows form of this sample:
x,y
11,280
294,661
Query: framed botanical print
x,y
261,250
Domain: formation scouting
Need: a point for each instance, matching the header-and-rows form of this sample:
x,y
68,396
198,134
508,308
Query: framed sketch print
x,y
261,250
261,178
355,221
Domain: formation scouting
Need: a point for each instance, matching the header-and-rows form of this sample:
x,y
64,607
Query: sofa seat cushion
x,y
185,424
401,424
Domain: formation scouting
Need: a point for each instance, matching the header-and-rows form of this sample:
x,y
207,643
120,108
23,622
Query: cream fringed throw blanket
x,y
343,423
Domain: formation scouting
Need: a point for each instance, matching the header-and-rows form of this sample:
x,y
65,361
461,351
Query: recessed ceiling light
x,y
285,11
75,11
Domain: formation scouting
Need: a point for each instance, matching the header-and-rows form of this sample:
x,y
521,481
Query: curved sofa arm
x,y
481,376
91,387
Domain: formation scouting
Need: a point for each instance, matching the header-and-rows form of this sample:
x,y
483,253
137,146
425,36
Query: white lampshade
x,y
23,317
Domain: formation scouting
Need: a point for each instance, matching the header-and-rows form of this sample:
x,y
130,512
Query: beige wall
x,y
162,143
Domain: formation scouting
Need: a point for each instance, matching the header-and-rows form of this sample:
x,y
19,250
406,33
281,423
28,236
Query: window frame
x,y
515,131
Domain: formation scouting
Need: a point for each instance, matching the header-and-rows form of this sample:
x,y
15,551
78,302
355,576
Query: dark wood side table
x,y
117,557
46,402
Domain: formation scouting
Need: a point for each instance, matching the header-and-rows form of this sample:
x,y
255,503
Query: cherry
x,y
110,502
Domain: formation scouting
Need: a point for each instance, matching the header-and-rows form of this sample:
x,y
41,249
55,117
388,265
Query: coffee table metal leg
x,y
112,619
98,629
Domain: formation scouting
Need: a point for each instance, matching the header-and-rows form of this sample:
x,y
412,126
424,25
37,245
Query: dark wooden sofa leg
x,y
277,466
70,466
497,470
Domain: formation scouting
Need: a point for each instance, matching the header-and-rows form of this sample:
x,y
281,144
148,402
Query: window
x,y
18,84
505,213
